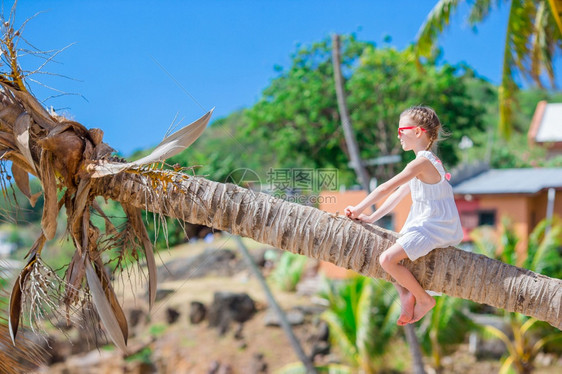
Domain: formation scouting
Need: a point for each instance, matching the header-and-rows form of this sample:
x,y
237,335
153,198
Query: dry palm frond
x,y
135,218
107,307
50,206
36,297
16,300
64,155
18,358
170,146
21,177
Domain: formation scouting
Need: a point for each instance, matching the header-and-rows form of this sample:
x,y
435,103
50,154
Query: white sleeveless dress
x,y
433,221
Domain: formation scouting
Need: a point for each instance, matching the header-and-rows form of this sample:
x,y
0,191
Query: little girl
x,y
433,221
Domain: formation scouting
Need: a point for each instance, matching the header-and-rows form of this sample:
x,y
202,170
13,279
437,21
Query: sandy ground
x,y
186,348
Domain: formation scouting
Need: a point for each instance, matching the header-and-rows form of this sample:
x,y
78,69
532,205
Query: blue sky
x,y
141,63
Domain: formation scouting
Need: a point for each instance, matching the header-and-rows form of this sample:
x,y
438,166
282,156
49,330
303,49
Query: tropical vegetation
x,y
75,169
362,318
526,337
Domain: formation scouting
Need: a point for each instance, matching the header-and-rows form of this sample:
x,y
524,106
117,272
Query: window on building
x,y
486,217
386,222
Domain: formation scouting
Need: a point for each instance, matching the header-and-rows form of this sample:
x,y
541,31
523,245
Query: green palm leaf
x,y
366,313
481,9
339,336
362,319
437,20
532,39
543,255
516,50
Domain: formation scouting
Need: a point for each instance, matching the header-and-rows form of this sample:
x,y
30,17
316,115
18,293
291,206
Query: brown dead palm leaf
x,y
134,216
21,357
64,156
107,306
16,299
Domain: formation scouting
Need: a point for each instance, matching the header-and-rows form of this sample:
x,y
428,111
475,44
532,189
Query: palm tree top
x,y
532,41
556,6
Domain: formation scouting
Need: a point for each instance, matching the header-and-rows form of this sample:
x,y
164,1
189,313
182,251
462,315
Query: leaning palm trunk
x,y
311,232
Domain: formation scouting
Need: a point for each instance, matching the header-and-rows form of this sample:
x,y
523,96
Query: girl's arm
x,y
411,170
388,204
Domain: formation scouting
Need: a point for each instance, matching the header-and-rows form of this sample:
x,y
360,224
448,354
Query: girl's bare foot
x,y
408,302
422,307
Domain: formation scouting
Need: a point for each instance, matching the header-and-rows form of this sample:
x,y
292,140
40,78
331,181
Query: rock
x,y
217,368
225,369
230,307
214,367
172,315
487,348
243,345
258,365
544,359
238,334
295,317
163,293
197,312
321,333
311,310
136,316
219,262
321,348
490,349
59,349
94,358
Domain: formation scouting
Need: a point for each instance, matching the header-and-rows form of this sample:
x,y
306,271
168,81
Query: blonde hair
x,y
426,118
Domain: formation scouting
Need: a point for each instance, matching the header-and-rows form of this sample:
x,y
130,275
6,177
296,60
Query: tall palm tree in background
x,y
363,175
532,40
75,167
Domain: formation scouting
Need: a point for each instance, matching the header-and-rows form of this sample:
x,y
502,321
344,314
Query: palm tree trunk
x,y
350,141
341,241
363,176
283,321
415,350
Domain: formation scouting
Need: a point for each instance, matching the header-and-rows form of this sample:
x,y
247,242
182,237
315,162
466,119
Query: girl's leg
x,y
407,302
390,262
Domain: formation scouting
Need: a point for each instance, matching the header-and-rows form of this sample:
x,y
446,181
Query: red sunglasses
x,y
401,129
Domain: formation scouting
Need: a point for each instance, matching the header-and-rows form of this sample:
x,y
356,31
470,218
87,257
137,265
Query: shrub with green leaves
x,y
361,315
444,328
527,336
288,271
